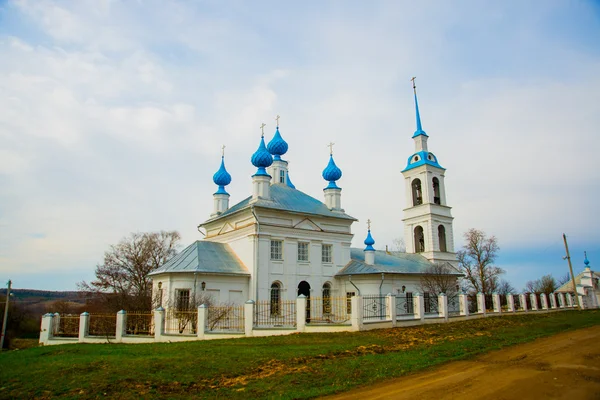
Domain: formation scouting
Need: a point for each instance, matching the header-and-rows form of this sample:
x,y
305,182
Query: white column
x,y
463,300
55,323
357,313
544,300
333,198
534,304
159,324
46,328
202,316
510,300
369,257
84,323
390,312
581,303
121,325
496,302
553,300
419,306
261,185
301,313
443,306
523,298
481,303
569,300
249,317
220,203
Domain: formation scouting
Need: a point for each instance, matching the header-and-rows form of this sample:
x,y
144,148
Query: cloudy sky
x,y
112,114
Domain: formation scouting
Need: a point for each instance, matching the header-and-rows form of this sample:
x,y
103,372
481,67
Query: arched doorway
x,y
304,288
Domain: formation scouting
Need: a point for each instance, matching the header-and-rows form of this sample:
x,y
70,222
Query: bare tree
x,y
476,261
504,287
563,279
398,246
546,284
439,278
122,279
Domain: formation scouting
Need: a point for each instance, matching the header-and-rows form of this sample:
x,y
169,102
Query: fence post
x,y
510,301
357,316
55,323
463,301
159,324
301,313
570,299
84,325
544,301
419,306
581,303
553,300
481,303
121,325
390,312
443,306
248,317
46,328
496,303
534,304
523,298
561,300
202,316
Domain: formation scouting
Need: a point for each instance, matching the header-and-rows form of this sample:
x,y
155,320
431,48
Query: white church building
x,y
280,242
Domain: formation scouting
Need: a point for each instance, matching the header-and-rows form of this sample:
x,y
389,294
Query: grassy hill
x,y
294,366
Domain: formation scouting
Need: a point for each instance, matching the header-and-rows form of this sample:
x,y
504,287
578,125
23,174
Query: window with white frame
x,y
281,176
303,251
276,249
275,298
182,299
326,253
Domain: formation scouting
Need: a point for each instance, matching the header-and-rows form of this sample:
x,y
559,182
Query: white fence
x,y
302,315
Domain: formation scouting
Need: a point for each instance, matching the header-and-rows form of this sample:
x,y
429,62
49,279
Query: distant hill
x,y
33,295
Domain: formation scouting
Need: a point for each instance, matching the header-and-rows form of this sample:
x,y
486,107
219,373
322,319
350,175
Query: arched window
x,y
419,240
442,238
275,298
436,191
326,298
416,192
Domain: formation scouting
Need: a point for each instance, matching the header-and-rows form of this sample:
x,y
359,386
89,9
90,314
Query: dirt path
x,y
565,366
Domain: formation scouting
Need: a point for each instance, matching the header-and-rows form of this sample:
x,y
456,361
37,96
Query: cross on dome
x,y
369,224
277,120
223,151
330,145
262,129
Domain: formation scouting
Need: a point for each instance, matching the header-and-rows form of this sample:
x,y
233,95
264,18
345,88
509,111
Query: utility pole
x,y
5,317
568,258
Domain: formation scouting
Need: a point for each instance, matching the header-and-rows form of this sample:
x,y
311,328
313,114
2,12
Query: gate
x,y
404,305
374,307
453,305
430,303
528,300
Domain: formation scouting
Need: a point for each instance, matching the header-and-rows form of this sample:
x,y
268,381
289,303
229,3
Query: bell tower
x,y
427,217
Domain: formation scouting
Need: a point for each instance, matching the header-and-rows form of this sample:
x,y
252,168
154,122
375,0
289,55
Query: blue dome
x,y
332,173
369,242
289,182
277,146
222,177
261,159
586,261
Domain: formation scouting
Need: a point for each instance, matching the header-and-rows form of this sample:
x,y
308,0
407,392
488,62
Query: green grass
x,y
294,366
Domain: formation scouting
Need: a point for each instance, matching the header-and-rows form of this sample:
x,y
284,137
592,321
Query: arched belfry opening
x,y
419,239
304,288
442,238
436,191
417,194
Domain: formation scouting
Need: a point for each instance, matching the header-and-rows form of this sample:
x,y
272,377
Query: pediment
x,y
226,228
307,224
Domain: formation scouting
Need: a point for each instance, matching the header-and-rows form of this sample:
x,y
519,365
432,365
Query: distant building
x,y
280,242
587,286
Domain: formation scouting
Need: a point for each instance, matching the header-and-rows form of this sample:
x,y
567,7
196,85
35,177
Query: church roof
x,y
422,158
399,263
207,257
285,198
568,286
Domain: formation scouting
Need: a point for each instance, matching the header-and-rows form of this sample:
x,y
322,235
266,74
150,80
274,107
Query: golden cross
x,y
277,119
330,145
262,128
414,86
369,224
223,151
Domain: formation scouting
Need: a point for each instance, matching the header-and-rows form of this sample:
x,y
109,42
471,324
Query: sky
x,y
113,114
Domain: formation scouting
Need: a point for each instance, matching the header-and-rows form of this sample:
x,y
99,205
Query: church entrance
x,y
304,288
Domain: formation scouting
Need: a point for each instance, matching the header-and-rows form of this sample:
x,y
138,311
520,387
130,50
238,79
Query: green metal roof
x,y
285,198
205,257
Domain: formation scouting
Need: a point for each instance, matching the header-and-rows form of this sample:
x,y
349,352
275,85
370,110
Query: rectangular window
x,y
276,249
281,176
303,251
349,296
326,255
182,299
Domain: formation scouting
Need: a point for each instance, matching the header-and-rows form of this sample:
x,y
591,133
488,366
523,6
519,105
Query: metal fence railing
x,y
278,315
453,305
183,322
139,323
374,307
328,310
488,299
102,325
225,319
405,305
430,303
517,302
66,325
472,300
503,302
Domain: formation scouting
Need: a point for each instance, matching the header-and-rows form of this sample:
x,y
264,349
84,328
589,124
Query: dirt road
x,y
565,366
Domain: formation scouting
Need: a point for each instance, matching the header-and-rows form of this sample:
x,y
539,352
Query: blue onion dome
x,y
277,146
586,261
261,158
222,178
289,182
332,173
369,242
